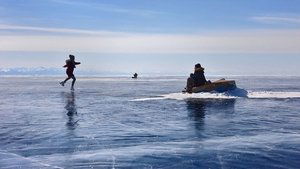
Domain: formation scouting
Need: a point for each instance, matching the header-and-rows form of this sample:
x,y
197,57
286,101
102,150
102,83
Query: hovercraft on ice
x,y
221,85
197,83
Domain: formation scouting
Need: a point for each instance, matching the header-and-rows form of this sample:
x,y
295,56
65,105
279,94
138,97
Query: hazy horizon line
x,y
54,71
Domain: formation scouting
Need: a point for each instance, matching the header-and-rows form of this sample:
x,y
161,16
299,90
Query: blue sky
x,y
157,36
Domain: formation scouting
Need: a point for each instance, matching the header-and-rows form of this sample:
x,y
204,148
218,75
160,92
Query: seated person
x,y
135,75
196,79
190,84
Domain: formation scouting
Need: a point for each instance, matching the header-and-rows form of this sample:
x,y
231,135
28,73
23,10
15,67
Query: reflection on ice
x,y
71,109
197,109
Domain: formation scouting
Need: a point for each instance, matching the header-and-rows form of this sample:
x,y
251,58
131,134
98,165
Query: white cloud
x,y
110,8
273,19
58,30
251,41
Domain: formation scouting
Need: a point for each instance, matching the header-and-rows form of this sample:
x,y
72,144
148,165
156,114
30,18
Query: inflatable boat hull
x,y
218,86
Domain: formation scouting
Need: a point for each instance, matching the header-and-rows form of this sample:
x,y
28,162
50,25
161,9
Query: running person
x,y
70,65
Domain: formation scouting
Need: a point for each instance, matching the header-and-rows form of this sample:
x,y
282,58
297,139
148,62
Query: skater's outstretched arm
x,y
77,63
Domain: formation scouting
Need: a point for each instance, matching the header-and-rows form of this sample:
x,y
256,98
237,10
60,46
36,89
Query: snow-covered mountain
x,y
31,71
43,71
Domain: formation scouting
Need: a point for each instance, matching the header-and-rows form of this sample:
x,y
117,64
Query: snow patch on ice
x,y
238,93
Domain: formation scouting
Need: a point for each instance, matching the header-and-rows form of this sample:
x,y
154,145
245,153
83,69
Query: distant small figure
x,y
135,75
70,65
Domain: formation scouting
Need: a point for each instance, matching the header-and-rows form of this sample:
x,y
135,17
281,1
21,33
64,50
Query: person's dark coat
x,y
198,77
70,65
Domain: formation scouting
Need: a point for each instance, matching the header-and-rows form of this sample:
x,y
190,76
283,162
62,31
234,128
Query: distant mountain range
x,y
31,71
43,71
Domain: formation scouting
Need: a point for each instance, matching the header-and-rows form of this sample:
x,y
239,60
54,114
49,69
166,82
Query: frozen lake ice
x,y
148,123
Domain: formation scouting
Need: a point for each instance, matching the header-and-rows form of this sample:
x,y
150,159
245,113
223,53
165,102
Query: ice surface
x,y
273,95
10,160
147,123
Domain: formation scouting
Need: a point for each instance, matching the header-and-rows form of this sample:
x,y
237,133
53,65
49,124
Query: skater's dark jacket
x,y
70,65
